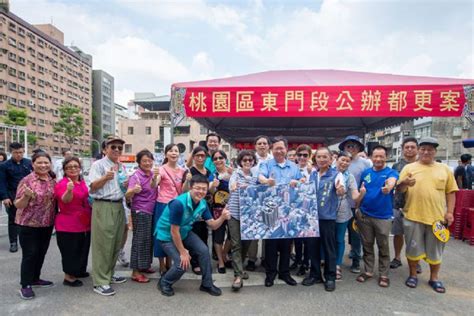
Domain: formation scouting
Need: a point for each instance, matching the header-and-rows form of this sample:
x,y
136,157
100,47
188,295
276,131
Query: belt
x,y
109,200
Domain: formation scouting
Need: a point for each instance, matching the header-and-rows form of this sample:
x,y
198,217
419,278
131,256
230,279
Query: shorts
x,y
218,235
397,225
421,243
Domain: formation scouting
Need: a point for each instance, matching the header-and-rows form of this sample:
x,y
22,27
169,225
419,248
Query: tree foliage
x,y
14,116
70,124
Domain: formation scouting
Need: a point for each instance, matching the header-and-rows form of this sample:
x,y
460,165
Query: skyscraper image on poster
x,y
280,211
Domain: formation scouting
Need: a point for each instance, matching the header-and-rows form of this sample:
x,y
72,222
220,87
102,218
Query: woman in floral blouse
x,y
35,219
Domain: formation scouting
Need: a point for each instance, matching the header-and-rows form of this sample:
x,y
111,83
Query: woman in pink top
x,y
170,186
73,222
35,219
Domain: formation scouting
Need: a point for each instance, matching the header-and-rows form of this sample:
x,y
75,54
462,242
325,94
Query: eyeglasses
x,y
200,156
114,147
72,167
218,158
247,160
303,155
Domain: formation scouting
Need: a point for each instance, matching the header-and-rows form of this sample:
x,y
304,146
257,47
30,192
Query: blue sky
x,y
148,45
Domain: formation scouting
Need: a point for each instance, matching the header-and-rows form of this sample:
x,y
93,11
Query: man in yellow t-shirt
x,y
430,196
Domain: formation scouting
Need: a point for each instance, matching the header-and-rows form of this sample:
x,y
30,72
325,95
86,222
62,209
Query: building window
x,y
148,130
128,148
12,72
130,130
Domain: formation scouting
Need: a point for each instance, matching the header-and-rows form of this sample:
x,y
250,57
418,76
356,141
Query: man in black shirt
x,y
11,172
462,174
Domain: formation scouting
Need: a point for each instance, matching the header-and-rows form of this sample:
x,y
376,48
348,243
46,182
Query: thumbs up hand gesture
x,y
340,190
410,181
137,188
386,188
110,174
362,189
70,184
28,192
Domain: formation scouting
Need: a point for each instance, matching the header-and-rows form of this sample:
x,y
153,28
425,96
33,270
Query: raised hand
x,y
110,174
70,184
226,213
137,188
340,190
410,181
386,188
362,189
28,192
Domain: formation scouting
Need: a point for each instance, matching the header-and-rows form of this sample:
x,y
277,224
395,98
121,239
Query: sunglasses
x,y
114,147
303,155
351,146
72,167
200,156
247,160
218,158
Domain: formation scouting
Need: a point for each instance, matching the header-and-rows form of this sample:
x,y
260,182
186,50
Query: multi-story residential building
x,y
39,73
103,117
121,113
151,130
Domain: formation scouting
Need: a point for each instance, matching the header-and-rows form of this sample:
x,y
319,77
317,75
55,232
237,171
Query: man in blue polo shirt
x,y
173,231
278,170
375,216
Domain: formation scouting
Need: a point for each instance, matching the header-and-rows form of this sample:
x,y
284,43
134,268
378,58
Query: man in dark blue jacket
x,y
11,172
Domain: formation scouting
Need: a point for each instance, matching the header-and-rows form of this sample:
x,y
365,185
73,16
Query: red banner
x,y
360,101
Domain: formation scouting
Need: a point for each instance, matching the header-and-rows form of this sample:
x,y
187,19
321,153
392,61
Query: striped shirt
x,y
241,179
111,190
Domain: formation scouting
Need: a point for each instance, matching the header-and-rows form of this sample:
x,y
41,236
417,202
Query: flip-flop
x,y
411,282
437,286
363,277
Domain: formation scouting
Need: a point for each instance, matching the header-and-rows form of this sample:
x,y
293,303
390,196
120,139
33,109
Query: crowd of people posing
x,y
173,206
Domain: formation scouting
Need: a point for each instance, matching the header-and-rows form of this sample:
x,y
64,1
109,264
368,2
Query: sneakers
x,y
122,259
42,283
104,290
117,280
13,247
395,263
27,293
355,268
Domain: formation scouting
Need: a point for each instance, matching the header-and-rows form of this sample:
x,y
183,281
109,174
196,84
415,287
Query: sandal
x,y
363,277
384,281
338,274
237,285
411,282
197,271
140,278
437,286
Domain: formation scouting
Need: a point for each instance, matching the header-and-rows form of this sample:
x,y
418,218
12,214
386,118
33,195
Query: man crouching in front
x,y
173,232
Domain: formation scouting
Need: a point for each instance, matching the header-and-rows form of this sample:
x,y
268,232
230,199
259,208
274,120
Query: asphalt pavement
x,y
350,297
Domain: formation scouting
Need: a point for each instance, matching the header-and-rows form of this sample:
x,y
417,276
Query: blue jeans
x,y
356,243
340,242
196,248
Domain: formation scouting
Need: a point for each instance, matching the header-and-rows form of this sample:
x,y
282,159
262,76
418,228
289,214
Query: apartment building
x,y
103,118
39,73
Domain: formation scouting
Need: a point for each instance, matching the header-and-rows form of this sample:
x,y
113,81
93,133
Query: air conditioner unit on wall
x,y
31,102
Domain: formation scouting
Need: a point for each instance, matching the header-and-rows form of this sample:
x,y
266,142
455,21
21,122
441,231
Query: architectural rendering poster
x,y
278,212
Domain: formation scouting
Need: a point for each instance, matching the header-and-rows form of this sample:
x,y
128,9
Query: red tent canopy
x,y
315,105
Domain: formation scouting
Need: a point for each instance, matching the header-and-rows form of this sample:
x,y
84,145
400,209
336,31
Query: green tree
x,y
70,124
32,139
15,116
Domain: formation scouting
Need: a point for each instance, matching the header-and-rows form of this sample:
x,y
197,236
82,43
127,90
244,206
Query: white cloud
x,y
122,96
203,65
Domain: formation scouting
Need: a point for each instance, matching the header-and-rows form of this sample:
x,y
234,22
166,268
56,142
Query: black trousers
x,y
200,229
74,248
12,227
273,247
327,243
34,243
301,251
